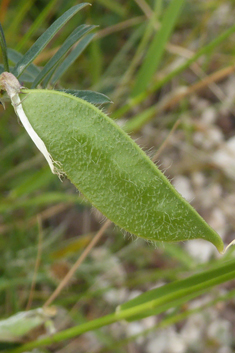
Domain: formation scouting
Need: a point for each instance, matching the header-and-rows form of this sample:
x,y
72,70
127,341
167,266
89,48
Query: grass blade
x,y
23,7
211,278
51,73
72,57
39,201
45,38
69,42
207,49
3,46
173,288
113,70
157,47
38,23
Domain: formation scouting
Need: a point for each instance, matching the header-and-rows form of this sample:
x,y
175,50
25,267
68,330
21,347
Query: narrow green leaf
x,y
144,116
207,49
157,47
83,43
54,61
8,204
111,170
225,273
31,183
123,55
48,79
15,57
89,96
180,286
174,317
45,38
96,62
26,77
3,46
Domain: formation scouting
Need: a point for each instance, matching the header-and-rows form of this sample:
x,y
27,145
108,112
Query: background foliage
x,y
158,61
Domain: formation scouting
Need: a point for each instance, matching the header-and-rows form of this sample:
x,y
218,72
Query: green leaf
x,y
72,57
15,57
3,46
73,38
26,77
45,38
206,50
89,96
14,328
96,62
157,47
31,183
222,274
111,170
177,289
48,198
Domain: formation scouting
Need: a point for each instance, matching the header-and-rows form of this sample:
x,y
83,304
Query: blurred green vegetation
x,y
132,35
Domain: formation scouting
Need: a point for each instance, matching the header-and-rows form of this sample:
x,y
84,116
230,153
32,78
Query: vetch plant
x,y
79,141
101,160
110,170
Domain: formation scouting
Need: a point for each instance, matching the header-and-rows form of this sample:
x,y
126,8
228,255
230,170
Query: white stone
x,y
116,296
218,222
134,328
220,330
199,302
209,138
209,116
111,264
224,158
229,88
149,322
198,179
166,341
198,138
134,293
193,329
183,186
225,349
200,250
222,15
158,344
